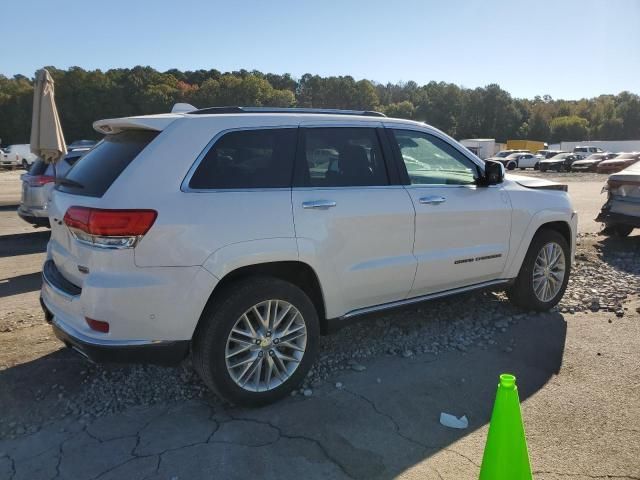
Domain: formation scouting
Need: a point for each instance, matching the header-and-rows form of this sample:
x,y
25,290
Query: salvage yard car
x,y
620,162
621,211
520,160
560,163
237,235
591,163
502,154
37,185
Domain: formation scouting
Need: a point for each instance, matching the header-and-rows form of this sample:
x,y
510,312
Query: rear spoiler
x,y
151,122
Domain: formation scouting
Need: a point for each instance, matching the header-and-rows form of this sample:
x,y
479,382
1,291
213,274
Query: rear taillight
x,y
109,228
39,180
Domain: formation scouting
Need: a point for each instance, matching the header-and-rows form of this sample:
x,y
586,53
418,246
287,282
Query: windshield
x,y
596,156
626,156
503,154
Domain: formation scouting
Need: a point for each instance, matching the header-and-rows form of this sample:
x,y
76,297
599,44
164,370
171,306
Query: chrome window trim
x,y
184,186
348,187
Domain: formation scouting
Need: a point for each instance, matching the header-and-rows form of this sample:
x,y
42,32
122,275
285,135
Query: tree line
x,y
84,96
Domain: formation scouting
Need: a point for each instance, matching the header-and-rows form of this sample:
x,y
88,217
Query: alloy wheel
x,y
549,270
266,345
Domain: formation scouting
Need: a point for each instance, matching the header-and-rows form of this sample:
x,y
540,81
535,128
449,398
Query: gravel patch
x,y
602,279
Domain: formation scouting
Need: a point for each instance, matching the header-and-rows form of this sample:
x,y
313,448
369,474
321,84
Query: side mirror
x,y
493,173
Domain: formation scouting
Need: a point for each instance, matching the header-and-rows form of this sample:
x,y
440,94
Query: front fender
x,y
538,220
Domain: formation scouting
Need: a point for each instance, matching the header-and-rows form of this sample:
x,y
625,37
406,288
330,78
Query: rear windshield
x,y
94,173
38,167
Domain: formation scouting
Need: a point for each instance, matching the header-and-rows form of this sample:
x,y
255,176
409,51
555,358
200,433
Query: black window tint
x,y
248,159
342,157
94,173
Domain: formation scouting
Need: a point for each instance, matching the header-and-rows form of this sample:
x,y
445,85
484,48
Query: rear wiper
x,y
68,183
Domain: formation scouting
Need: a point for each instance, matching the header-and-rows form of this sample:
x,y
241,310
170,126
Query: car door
x,y
353,221
462,229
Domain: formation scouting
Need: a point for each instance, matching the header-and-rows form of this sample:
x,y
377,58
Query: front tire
x,y
544,273
511,166
25,164
257,342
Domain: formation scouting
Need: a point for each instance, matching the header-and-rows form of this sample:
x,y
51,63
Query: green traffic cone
x,y
505,454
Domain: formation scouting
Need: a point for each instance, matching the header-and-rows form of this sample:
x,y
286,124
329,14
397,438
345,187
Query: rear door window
x,y
248,159
94,173
341,157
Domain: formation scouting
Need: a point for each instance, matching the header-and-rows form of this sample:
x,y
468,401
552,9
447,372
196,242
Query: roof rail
x,y
330,111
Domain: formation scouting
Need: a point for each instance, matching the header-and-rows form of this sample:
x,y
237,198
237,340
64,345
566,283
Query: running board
x,y
422,298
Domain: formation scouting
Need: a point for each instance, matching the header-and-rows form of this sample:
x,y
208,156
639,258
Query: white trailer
x,y
482,147
606,145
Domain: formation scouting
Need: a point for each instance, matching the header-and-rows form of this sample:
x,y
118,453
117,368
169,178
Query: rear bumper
x,y
609,218
160,353
34,216
56,291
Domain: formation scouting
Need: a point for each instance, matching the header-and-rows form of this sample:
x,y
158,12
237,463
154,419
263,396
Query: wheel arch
x,y
295,272
552,220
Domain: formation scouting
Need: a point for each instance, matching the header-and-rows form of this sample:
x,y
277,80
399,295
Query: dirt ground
x,y
578,378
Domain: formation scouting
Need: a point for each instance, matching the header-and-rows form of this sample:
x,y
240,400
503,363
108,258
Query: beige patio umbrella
x,y
47,140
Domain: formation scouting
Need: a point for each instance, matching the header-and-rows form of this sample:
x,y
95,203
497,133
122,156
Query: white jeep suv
x,y
238,235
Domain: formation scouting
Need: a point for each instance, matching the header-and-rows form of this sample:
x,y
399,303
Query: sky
x,y
565,48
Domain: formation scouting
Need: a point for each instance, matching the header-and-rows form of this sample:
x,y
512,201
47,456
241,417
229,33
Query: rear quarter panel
x,y
191,226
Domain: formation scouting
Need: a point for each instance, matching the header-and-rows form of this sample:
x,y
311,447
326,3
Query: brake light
x,y
39,180
97,325
109,228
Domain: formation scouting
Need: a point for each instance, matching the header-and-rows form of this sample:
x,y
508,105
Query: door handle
x,y
319,204
433,200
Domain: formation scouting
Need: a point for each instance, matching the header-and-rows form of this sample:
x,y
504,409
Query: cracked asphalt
x,y
578,379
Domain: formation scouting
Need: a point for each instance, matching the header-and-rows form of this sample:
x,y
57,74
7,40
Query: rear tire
x,y
216,347
524,292
25,164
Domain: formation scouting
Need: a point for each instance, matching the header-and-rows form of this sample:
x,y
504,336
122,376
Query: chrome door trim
x,y
319,204
422,298
432,200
